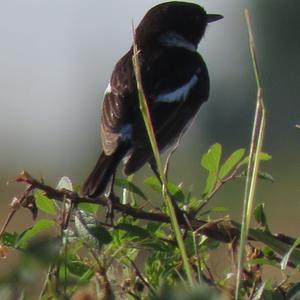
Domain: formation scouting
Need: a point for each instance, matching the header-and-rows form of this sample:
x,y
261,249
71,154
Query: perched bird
x,y
175,81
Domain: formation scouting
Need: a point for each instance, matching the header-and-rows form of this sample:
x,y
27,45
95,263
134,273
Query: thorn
x,y
23,177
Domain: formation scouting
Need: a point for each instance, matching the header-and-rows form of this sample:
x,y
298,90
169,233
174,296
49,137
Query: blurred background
x,y
56,58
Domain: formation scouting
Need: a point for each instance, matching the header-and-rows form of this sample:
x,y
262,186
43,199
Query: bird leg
x,y
112,198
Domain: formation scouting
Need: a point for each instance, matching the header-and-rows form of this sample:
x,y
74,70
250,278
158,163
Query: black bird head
x,y
173,22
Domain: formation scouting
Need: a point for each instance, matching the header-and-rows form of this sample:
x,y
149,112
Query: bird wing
x,y
168,82
116,123
168,99
173,100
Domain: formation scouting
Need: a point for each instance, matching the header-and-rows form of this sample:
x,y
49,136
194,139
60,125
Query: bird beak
x,y
213,17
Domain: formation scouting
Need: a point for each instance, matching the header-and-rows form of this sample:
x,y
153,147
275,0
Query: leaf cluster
x,y
131,258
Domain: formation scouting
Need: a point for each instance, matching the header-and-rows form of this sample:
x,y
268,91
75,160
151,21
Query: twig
x,y
15,207
139,274
172,151
218,186
197,254
134,295
45,284
68,207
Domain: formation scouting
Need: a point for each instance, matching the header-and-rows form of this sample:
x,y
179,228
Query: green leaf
x,y
262,261
268,252
90,231
9,239
215,210
260,215
154,183
270,293
85,278
261,175
219,209
265,176
65,183
44,203
89,207
262,157
294,292
272,242
210,161
128,185
286,257
77,268
194,202
134,230
210,184
231,162
31,232
174,190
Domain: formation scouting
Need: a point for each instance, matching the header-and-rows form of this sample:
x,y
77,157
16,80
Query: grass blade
x,y
253,164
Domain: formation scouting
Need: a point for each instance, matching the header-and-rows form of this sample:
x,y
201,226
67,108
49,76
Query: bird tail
x,y
98,180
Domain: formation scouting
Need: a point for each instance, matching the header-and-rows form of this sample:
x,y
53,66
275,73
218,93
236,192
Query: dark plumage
x,y
175,81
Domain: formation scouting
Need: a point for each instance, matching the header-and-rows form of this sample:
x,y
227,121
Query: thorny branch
x,y
221,230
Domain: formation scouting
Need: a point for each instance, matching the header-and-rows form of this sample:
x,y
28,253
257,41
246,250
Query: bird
x,y
175,82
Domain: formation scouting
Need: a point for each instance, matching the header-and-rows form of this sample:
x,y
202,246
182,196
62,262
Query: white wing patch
x,y
108,89
179,94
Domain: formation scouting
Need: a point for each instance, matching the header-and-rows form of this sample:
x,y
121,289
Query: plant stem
x,y
253,165
147,119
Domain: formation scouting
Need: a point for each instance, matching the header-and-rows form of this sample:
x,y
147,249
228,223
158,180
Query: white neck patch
x,y
179,94
172,39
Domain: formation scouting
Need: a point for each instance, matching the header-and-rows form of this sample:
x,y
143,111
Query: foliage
x,y
135,259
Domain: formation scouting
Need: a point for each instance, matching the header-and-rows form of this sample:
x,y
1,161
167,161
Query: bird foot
x,y
109,215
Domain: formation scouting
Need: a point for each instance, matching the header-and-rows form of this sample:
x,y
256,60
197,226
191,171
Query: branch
x,y
223,230
220,230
